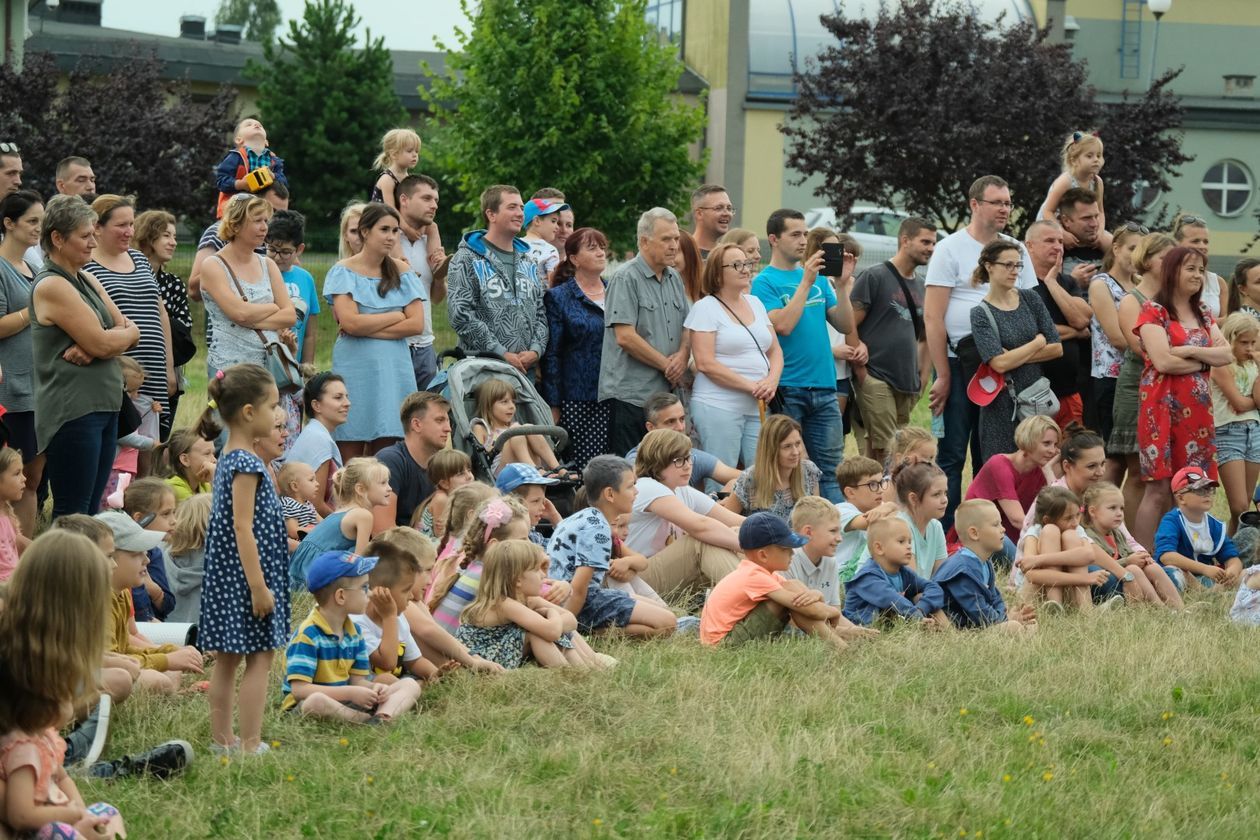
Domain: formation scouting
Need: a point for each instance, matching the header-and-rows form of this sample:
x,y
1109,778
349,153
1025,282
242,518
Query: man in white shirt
x,y
947,305
417,197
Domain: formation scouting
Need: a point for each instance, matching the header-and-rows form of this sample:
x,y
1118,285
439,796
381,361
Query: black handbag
x,y
775,404
183,348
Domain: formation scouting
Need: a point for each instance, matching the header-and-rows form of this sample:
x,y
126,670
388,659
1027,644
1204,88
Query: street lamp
x,y
1158,8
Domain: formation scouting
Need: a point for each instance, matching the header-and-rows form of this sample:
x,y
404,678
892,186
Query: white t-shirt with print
x,y
648,533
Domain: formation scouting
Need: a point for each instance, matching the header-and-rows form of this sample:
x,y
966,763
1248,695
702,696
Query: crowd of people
x,y
1103,382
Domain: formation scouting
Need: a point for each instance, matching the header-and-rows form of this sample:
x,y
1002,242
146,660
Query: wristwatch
x,y
1128,577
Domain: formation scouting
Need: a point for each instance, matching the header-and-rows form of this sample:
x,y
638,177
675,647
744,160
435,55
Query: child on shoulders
x,y
967,577
886,585
1191,540
250,155
863,483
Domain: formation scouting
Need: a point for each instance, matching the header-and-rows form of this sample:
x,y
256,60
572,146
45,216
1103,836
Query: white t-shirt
x,y
649,533
1211,294
955,258
35,256
837,340
417,253
545,254
1200,537
822,577
372,637
733,347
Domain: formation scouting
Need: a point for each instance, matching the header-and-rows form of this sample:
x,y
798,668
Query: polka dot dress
x,y
227,622
587,425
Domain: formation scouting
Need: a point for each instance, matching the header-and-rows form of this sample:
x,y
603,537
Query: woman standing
x,y
575,336
747,240
155,238
1181,343
21,214
77,334
1025,336
1192,232
127,277
738,358
378,302
781,474
350,243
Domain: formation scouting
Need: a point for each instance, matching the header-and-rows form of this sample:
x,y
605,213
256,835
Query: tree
x,y
911,107
261,18
577,96
326,105
145,136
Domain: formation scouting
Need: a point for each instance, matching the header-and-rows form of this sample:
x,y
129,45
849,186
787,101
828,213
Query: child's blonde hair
x,y
407,540
877,531
906,439
813,510
464,503
192,519
130,367
493,521
145,495
395,141
1236,325
503,566
50,655
1053,503
1094,495
289,473
355,472
968,515
490,392
1077,144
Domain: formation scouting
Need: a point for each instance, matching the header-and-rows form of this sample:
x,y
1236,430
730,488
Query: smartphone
x,y
833,260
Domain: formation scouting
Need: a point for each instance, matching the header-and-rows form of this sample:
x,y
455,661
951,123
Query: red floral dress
x,y
1175,426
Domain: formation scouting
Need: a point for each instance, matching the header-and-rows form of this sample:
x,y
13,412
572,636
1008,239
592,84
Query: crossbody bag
x,y
277,357
775,404
1037,398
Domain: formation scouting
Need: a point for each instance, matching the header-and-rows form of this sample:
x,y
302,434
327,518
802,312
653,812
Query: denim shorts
x,y
1238,442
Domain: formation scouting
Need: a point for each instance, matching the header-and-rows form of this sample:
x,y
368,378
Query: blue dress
x,y
378,371
326,536
227,621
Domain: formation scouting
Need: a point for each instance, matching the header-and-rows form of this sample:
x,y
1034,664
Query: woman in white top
x,y
1192,232
737,355
689,539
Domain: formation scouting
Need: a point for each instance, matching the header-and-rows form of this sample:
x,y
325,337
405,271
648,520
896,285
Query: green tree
x,y
261,18
326,103
577,96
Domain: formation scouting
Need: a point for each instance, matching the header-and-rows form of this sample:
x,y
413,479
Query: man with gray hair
x,y
645,346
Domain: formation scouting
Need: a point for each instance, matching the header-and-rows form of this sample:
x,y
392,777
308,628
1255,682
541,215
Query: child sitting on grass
x,y
151,503
160,665
298,490
361,485
449,469
814,563
392,651
863,483
755,601
1057,556
1102,513
465,502
911,444
186,567
530,486
886,585
967,578
187,462
1191,540
326,663
12,486
625,576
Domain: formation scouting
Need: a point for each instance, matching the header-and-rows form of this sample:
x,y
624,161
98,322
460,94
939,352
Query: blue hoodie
x,y
1174,536
489,312
972,598
871,592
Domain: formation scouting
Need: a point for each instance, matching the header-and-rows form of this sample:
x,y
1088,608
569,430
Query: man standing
x,y
495,302
1067,297
75,177
417,197
888,315
645,346
801,304
947,304
426,431
711,214
10,169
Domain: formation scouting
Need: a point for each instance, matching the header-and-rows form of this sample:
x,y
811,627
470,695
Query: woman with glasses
x,y
737,355
155,238
1192,232
780,476
689,539
1024,336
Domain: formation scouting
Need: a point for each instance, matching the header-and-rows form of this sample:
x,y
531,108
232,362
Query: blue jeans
x,y
727,434
818,413
424,364
962,427
80,456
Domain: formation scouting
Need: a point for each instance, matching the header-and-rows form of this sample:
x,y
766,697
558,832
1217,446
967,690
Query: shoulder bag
x,y
1037,398
277,358
775,404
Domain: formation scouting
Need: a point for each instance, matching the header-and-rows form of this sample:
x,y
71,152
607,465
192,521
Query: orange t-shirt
x,y
734,597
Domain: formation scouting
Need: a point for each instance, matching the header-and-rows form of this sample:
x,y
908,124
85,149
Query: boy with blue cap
x,y
755,601
326,664
530,486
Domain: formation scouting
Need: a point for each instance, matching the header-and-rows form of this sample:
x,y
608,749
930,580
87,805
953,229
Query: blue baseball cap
x,y
518,475
763,529
536,207
335,565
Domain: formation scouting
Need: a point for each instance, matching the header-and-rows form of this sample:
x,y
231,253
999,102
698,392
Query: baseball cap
x,y
518,475
1191,478
985,385
536,207
128,535
764,528
335,565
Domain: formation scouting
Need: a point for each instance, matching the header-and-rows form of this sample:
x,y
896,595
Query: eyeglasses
x,y
1004,204
1136,228
741,267
366,589
9,149
283,253
1010,266
878,486
681,462
720,208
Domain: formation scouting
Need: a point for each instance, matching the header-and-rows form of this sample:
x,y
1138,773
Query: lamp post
x,y
1158,8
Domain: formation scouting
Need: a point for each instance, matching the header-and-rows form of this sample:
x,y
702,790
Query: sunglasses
x,y
1136,228
9,149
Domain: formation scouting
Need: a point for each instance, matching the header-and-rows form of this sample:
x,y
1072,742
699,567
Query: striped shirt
x,y
303,512
137,296
319,656
461,595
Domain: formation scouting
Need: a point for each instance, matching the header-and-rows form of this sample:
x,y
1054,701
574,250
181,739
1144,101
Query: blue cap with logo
x,y
536,207
519,475
763,529
335,565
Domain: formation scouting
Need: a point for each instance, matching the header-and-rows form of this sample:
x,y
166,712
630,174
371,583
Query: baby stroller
x,y
458,382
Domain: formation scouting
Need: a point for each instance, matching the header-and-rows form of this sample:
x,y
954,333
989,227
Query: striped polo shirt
x,y
318,655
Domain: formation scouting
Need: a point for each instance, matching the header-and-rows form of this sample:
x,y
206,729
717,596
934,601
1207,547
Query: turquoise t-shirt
x,y
301,286
807,360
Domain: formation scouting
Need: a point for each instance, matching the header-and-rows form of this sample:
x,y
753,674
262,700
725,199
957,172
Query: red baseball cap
x,y
1192,478
985,385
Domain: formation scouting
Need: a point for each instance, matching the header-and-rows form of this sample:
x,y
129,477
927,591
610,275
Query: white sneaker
x,y
101,713
1112,603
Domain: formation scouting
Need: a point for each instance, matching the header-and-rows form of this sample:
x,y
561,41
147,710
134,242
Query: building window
x,y
667,17
1227,188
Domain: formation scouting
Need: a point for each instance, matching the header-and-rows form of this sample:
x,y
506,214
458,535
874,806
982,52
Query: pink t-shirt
x,y
8,547
43,752
998,479
734,597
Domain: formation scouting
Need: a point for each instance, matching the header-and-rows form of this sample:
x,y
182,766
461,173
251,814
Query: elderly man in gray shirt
x,y
645,347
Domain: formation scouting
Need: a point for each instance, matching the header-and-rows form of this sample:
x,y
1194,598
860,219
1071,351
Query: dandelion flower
x,y
290,778
963,711
1006,777
597,822
1028,720
275,745
345,742
1047,776
1167,741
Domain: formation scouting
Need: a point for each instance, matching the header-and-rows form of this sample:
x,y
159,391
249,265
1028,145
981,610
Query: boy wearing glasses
x,y
1191,544
862,481
286,235
327,673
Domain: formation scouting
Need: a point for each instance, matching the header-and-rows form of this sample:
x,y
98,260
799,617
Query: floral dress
x,y
1175,427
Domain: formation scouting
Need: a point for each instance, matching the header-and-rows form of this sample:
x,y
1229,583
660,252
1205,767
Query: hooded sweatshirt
x,y
490,312
872,592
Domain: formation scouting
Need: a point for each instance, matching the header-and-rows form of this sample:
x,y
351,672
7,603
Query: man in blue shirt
x,y
800,304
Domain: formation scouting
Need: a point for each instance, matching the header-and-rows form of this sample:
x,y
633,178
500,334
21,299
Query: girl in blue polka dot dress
x,y
245,594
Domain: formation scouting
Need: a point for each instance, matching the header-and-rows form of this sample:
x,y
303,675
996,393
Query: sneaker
x,y
221,750
161,762
1114,602
606,661
262,749
688,625
86,742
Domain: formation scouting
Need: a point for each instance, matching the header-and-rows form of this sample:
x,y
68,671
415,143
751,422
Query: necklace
x,y
596,292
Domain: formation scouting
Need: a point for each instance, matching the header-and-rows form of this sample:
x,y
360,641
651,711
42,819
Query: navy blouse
x,y
570,367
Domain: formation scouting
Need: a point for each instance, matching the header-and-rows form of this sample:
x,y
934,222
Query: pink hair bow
x,y
495,514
